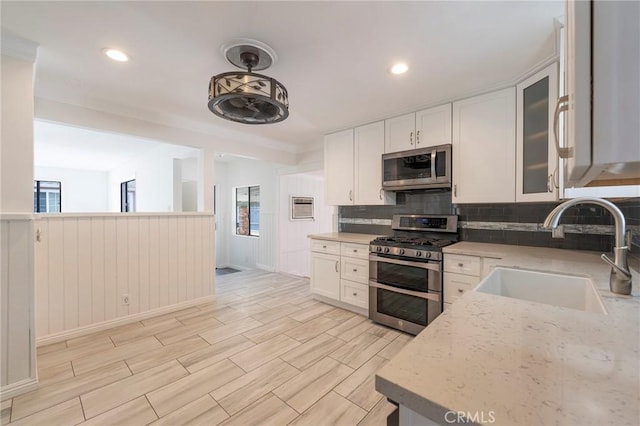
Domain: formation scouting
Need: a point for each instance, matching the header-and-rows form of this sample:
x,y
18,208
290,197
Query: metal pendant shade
x,y
247,97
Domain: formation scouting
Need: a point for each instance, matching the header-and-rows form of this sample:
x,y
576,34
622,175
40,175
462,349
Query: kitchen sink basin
x,y
568,291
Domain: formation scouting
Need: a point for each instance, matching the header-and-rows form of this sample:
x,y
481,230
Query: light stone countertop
x,y
526,363
344,237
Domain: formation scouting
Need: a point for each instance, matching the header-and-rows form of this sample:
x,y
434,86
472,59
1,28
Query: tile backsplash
x,y
586,227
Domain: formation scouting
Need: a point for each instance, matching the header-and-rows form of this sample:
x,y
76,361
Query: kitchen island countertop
x,y
506,361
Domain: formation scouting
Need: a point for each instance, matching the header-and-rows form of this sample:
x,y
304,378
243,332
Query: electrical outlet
x,y
125,299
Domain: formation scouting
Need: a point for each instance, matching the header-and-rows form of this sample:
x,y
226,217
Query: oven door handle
x,y
431,296
433,266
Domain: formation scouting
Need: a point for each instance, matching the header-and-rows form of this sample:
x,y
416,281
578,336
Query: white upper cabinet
x,y
578,84
536,156
339,168
399,133
353,167
369,147
422,129
602,84
483,148
433,126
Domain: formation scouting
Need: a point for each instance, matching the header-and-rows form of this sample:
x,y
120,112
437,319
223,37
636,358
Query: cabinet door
x,y
325,275
433,126
369,147
338,168
578,86
484,133
536,158
399,133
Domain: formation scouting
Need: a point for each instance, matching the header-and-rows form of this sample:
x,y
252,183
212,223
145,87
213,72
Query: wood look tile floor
x,y
262,353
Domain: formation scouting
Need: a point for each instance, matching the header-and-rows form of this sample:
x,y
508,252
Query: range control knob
x,y
427,254
401,251
378,249
386,249
418,254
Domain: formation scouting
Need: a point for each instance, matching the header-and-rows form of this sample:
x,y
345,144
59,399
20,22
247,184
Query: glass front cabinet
x,y
536,158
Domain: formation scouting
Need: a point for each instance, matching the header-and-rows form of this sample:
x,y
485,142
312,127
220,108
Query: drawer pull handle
x,y
355,270
355,250
324,246
460,265
337,266
460,290
355,294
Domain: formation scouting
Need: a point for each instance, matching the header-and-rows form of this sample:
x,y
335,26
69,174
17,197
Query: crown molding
x,y
18,47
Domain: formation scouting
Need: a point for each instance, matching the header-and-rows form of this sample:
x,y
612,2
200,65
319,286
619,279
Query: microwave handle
x,y
433,164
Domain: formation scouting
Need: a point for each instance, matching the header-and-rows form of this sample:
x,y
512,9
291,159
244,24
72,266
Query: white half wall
x,y
294,248
85,264
83,191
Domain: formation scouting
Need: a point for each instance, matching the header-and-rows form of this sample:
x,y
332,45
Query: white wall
x,y
293,245
16,168
223,214
154,175
251,252
83,191
17,350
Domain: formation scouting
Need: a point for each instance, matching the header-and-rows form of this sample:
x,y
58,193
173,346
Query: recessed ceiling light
x,y
116,55
399,68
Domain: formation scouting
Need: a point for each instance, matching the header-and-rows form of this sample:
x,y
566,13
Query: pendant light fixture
x,y
247,97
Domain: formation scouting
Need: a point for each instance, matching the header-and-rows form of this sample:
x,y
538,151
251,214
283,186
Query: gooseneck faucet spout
x,y
620,279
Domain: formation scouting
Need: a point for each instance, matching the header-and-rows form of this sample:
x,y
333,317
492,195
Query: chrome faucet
x,y
620,279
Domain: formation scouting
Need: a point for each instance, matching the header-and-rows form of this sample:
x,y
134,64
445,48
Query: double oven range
x,y
405,271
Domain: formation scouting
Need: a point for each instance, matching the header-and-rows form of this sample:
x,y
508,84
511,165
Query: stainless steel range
x,y
405,271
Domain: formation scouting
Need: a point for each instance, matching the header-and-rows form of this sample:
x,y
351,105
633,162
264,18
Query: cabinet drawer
x,y
354,269
354,293
324,246
361,251
455,285
461,264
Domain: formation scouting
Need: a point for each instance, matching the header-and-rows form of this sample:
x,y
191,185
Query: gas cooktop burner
x,y
426,243
422,237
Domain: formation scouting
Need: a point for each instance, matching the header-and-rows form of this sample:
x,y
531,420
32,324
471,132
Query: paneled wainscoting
x,y
94,269
17,356
260,352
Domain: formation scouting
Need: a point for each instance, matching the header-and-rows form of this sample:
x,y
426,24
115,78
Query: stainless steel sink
x,y
555,289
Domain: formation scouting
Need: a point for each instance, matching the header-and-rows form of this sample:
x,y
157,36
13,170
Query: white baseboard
x,y
81,331
265,267
18,388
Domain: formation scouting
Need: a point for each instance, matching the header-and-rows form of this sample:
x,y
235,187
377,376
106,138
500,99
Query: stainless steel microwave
x,y
423,168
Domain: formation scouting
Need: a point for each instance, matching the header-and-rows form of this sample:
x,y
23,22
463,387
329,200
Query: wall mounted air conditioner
x,y
301,208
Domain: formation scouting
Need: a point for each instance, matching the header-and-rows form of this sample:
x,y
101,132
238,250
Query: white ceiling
x,y
333,57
